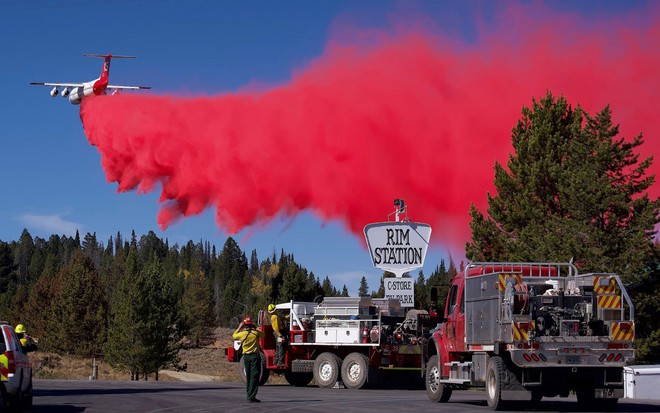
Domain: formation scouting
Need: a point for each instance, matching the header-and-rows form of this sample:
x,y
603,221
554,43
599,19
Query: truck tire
x,y
298,379
326,370
27,396
355,371
495,376
265,373
4,399
437,392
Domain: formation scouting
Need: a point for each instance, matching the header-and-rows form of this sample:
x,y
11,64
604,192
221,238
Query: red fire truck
x,y
343,339
525,331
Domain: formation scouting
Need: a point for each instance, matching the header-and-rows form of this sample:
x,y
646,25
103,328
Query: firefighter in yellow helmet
x,y
27,343
278,331
249,335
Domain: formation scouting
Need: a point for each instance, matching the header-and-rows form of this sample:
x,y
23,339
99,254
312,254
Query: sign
x,y
402,289
397,247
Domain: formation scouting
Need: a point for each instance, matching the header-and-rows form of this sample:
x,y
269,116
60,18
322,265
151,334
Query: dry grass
x,y
53,366
208,360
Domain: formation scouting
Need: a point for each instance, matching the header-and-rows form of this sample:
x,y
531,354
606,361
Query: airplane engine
x,y
54,92
65,92
75,96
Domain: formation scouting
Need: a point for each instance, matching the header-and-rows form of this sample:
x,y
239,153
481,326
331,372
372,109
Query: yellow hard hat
x,y
20,328
271,308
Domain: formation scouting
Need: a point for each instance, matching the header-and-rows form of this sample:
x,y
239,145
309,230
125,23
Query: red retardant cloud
x,y
413,116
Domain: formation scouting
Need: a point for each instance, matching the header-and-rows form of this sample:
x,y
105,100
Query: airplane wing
x,y
127,87
58,84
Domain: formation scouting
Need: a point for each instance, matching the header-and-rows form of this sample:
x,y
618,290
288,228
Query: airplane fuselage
x,y
76,91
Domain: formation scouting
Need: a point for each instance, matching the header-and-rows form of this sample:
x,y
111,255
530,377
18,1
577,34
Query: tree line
x,y
138,301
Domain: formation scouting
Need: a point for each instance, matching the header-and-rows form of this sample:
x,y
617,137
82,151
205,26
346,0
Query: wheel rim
x,y
325,372
434,379
354,371
491,385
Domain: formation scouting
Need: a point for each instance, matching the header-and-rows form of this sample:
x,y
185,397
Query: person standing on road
x,y
278,332
249,335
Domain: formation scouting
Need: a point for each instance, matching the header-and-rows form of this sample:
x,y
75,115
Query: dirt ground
x,y
211,360
208,361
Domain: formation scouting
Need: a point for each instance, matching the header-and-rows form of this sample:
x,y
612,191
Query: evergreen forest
x,y
137,301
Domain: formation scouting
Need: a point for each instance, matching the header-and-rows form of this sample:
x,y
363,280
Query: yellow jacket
x,y
275,323
250,339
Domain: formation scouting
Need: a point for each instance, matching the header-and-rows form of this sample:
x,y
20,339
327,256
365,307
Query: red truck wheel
x,y
355,371
326,370
437,392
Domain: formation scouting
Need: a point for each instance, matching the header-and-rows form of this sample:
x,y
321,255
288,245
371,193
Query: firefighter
x,y
249,335
278,331
27,343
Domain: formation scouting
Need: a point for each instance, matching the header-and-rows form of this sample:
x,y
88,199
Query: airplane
x,y
76,91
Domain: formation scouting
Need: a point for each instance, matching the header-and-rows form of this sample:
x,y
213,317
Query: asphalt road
x,y
60,396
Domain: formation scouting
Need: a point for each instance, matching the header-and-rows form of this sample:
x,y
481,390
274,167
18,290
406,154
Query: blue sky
x,y
52,178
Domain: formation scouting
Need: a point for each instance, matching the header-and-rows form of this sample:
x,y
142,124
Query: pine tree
x,y
160,318
38,260
363,290
79,310
327,290
231,284
421,292
123,347
572,190
92,249
198,309
23,256
7,266
146,325
440,280
37,311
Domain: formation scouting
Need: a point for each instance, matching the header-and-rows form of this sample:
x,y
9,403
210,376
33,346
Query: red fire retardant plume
x,y
412,116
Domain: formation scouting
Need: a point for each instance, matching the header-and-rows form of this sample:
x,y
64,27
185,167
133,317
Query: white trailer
x,y
642,382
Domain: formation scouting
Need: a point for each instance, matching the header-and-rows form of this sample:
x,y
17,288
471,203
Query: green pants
x,y
252,374
279,351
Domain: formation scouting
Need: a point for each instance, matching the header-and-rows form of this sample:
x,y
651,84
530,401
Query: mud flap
x,y
512,389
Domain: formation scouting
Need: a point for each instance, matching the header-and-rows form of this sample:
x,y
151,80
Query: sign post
x,y
398,247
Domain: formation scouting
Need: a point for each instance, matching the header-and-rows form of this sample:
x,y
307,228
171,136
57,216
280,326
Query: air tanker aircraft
x,y
76,91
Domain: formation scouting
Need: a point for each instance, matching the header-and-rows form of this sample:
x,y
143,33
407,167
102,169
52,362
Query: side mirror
x,y
434,295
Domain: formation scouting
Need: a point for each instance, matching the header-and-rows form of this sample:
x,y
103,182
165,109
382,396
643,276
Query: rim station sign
x,y
397,247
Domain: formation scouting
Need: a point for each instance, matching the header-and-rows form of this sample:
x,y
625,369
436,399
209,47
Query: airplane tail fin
x,y
105,72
